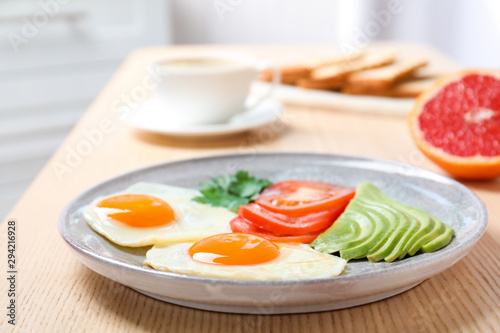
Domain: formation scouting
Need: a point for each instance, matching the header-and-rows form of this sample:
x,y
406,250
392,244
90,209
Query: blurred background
x,y
56,55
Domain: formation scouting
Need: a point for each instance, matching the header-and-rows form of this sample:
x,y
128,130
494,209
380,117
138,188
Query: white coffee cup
x,y
208,88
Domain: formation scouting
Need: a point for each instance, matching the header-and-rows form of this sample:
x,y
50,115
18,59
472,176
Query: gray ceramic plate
x,y
362,282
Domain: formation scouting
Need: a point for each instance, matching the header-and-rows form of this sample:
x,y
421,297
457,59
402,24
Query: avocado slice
x,y
403,245
423,222
350,229
440,241
402,227
427,224
413,226
408,227
376,227
435,232
389,215
379,235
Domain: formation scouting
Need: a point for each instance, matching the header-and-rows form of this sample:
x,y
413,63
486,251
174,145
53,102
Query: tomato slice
x,y
282,224
297,198
240,224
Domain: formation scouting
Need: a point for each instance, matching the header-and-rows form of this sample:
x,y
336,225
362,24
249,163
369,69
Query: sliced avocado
x,y
375,226
414,226
389,214
427,224
379,234
350,229
439,242
409,226
402,226
435,232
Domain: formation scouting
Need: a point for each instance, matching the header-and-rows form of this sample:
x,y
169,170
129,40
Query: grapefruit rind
x,y
471,167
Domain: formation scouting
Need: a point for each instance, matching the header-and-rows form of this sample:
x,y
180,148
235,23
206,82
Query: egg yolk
x,y
139,210
234,249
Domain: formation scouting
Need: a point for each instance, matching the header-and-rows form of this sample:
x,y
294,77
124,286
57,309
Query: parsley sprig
x,y
231,191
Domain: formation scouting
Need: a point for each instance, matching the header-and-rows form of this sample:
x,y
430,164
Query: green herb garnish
x,y
231,191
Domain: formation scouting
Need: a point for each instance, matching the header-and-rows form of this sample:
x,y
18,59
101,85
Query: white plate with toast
x,y
379,81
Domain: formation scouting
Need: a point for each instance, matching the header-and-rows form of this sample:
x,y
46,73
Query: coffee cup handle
x,y
273,84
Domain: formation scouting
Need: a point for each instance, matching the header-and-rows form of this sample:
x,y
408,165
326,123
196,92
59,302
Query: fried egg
x,y
245,257
149,213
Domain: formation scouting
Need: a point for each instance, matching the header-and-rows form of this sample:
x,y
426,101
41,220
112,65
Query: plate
x,y
149,116
292,95
362,281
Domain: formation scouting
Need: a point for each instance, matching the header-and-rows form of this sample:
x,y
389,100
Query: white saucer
x,y
150,116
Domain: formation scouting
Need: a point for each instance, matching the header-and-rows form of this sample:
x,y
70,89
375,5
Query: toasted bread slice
x,y
412,88
342,70
320,84
335,76
292,73
340,59
387,76
409,88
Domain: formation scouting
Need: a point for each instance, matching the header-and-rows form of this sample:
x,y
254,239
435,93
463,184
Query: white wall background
x,y
55,57
467,30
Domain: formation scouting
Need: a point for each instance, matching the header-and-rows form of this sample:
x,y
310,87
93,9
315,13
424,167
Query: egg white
x,y
193,221
296,262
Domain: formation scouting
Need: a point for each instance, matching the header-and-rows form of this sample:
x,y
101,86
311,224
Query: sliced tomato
x,y
282,224
297,198
240,224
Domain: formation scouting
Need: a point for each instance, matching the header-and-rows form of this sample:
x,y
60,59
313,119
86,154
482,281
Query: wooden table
x,y
56,293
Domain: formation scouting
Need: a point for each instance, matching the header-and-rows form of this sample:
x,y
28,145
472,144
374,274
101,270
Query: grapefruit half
x,y
456,123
